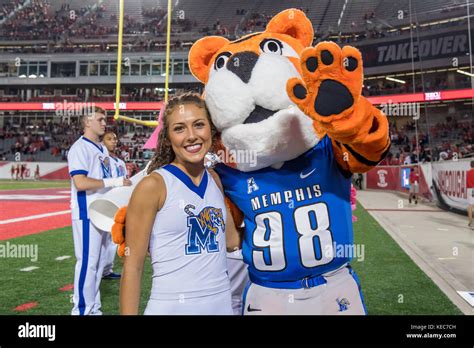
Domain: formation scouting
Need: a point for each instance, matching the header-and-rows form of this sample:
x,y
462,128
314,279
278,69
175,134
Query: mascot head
x,y
245,90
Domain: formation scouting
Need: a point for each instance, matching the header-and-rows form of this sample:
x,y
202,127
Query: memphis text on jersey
x,y
279,197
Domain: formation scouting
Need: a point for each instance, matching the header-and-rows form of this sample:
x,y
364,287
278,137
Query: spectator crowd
x,y
28,139
451,139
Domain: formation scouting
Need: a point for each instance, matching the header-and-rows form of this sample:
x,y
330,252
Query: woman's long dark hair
x,y
164,152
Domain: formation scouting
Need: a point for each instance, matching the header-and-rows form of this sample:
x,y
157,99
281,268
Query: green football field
x,y
7,184
391,282
43,284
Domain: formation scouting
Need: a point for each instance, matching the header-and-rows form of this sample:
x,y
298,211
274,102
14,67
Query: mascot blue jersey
x,y
301,232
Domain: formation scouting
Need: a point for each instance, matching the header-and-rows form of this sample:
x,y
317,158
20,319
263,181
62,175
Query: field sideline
x,y
8,184
391,282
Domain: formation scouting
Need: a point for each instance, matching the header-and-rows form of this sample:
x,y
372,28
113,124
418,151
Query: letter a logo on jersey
x,y
251,185
203,229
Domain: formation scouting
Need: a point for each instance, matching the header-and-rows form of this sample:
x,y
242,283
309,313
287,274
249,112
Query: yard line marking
x,y
446,258
32,189
60,258
442,229
33,217
67,287
25,306
468,296
29,197
28,269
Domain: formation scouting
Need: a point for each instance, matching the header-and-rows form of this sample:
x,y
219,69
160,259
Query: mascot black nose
x,y
242,64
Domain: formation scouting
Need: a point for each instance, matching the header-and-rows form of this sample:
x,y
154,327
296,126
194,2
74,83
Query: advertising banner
x,y
449,181
445,45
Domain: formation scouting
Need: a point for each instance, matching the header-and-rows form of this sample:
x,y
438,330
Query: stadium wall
x,y
396,178
47,170
443,181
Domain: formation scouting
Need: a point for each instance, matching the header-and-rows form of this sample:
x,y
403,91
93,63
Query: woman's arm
x,y
147,198
84,183
233,232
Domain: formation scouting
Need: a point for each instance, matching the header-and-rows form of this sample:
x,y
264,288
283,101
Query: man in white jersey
x,y
118,169
91,176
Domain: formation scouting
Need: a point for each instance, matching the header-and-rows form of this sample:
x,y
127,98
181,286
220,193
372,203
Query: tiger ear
x,y
292,22
201,53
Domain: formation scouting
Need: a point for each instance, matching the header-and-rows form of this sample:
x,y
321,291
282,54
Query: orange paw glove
x,y
330,93
118,230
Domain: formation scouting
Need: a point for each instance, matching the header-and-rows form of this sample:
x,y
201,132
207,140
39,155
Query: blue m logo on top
x,y
199,238
203,229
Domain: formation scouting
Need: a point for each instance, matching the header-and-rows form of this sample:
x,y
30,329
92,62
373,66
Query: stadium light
x,y
465,73
394,79
32,76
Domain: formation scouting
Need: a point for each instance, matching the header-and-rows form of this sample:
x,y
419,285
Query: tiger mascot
x,y
298,111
